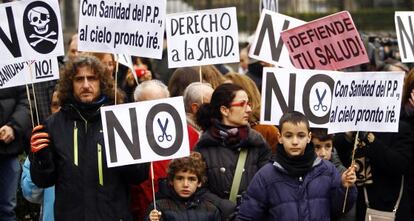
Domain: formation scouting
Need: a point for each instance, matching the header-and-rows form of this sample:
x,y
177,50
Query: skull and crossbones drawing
x,y
39,18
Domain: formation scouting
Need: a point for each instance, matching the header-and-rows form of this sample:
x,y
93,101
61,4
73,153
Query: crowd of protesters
x,y
238,168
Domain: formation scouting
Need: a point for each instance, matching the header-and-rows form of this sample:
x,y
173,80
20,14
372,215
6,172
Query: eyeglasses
x,y
243,103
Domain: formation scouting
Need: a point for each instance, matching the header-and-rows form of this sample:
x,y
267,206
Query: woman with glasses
x,y
227,141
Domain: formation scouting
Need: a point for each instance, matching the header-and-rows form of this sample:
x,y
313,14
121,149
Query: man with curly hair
x,y
68,151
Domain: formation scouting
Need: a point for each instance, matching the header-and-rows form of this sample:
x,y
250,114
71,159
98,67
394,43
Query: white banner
x,y
145,131
18,73
267,44
29,29
272,5
405,35
306,91
133,27
366,101
202,38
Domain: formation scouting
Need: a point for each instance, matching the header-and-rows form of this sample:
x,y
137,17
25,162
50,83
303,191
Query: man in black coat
x,y
14,123
381,160
69,151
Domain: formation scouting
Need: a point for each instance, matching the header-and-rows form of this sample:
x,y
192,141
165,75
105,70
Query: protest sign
x,y
202,37
145,131
271,5
134,27
366,101
306,91
18,73
29,29
329,43
405,35
267,44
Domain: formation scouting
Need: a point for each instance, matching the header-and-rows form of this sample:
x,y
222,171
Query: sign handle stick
x,y
201,75
153,189
116,76
30,104
352,163
277,6
34,94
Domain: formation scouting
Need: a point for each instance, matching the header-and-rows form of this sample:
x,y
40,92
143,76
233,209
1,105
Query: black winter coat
x,y
390,156
410,176
221,161
86,189
14,112
175,208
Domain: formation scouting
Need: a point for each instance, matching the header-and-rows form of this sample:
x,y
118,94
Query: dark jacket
x,y
389,157
14,112
221,161
409,178
86,189
273,194
175,208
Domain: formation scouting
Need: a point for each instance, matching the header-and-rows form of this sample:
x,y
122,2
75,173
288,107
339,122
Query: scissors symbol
x,y
161,138
316,107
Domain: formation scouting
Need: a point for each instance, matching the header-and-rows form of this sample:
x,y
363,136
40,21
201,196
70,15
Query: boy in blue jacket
x,y
297,185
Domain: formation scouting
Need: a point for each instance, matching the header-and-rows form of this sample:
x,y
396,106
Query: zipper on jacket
x,y
100,171
75,144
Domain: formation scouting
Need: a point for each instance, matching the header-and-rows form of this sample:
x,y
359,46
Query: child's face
x,y
323,148
185,183
294,138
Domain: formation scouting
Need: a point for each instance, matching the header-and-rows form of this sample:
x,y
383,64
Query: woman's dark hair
x,y
223,95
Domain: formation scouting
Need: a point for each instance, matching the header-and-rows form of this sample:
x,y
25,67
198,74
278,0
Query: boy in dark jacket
x,y
180,197
297,185
324,148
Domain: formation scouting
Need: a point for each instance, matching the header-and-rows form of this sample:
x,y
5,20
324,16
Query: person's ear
x,y
279,137
309,137
224,111
194,108
199,184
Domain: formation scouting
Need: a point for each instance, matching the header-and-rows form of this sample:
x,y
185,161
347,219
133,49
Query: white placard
x,y
306,91
272,5
267,44
18,73
366,101
29,29
202,37
145,131
404,22
133,27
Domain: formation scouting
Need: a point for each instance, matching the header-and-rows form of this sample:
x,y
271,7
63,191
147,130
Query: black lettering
x,y
268,27
113,124
409,37
150,130
272,87
305,98
13,44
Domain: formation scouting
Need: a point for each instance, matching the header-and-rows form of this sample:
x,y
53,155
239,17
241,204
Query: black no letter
x,y
13,44
268,27
113,124
305,98
150,130
272,87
